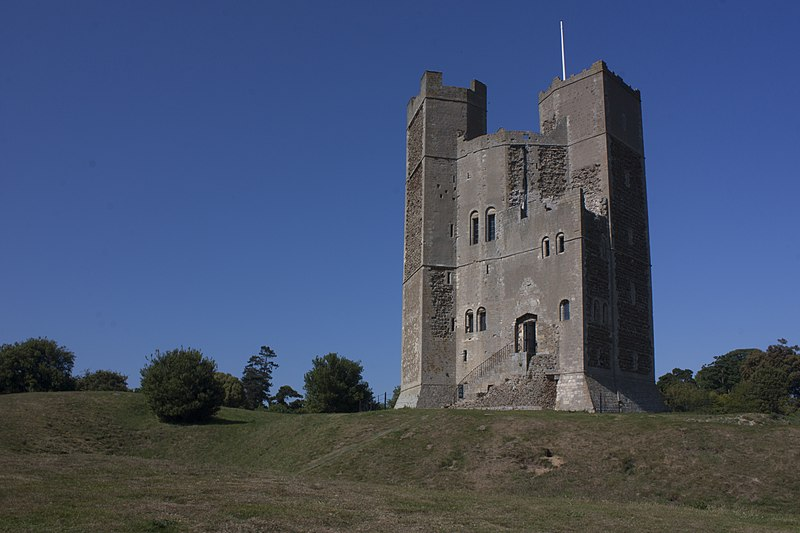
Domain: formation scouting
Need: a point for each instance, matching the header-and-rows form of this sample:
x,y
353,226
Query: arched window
x,y
469,322
595,311
605,313
560,243
563,310
546,247
481,319
491,228
474,230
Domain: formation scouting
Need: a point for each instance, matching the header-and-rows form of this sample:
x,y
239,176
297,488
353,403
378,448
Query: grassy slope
x,y
79,461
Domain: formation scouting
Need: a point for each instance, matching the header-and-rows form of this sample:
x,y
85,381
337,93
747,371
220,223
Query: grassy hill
x,y
100,461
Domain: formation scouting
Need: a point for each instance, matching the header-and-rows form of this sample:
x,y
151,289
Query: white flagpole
x,y
563,63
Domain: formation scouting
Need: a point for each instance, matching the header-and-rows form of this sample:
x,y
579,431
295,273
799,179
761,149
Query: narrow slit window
x,y
545,247
474,234
605,313
560,243
491,229
563,310
481,319
449,278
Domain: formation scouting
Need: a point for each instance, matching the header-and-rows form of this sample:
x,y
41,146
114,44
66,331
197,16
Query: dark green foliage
x,y
36,365
682,396
334,385
286,393
775,377
232,386
103,380
681,393
722,375
257,378
678,375
180,386
395,396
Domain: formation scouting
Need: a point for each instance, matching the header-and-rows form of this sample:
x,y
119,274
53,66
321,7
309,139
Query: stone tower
x,y
526,275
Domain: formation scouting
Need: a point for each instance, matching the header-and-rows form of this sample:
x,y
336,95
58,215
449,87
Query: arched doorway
x,y
525,335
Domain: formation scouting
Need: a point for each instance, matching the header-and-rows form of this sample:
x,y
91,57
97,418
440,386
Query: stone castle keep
x,y
526,275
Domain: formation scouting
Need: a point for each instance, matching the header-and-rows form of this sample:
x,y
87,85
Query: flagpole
x,y
563,63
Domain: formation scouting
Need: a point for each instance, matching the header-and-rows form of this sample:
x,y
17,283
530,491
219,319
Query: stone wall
x,y
631,260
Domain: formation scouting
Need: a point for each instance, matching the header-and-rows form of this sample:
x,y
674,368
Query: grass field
x,y
101,462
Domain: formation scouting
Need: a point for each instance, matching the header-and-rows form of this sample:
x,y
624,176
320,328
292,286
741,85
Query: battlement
x,y
501,137
431,86
595,68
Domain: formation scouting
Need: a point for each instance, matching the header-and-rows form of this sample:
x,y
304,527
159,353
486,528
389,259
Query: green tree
x,y
775,377
233,389
257,378
680,391
285,393
180,386
395,396
724,373
35,365
334,385
678,375
104,380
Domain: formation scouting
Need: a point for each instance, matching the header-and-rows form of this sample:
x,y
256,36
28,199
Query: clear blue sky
x,y
223,175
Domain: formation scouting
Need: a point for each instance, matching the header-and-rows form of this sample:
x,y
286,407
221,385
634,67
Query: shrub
x,y
180,386
104,380
233,389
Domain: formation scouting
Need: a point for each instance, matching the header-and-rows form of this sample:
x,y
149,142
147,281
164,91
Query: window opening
x,y
481,319
564,310
461,391
560,243
449,278
595,311
605,313
545,247
490,225
474,228
469,322
452,323
465,355
451,230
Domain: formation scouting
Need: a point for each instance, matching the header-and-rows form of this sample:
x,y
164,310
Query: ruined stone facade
x,y
526,278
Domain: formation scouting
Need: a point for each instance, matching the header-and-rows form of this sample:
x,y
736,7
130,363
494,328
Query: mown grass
x,y
100,461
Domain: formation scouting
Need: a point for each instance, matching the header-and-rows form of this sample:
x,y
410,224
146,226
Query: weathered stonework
x,y
527,256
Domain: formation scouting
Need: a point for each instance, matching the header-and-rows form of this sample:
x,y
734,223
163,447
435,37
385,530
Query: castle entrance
x,y
525,335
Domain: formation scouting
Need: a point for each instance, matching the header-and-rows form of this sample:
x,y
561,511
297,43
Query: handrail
x,y
501,355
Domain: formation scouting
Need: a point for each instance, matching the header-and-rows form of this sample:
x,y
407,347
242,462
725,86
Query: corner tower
x,y
436,118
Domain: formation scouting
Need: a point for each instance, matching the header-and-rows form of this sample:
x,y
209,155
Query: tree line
x,y
183,385
743,380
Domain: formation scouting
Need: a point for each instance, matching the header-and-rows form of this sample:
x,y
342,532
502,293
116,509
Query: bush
x,y
681,396
233,389
180,386
35,365
334,385
103,380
